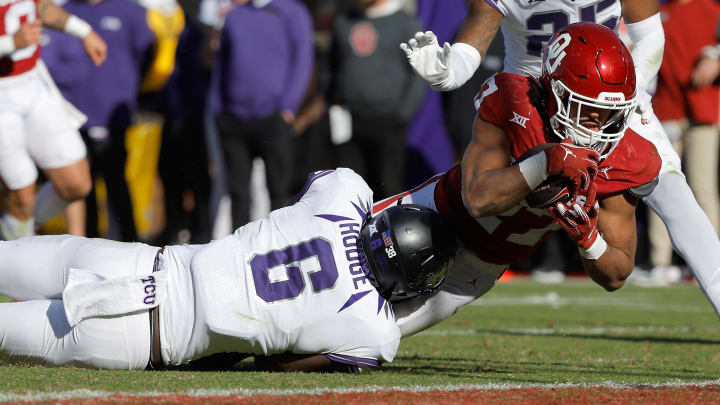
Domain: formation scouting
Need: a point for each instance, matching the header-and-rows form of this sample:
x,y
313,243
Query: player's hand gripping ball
x,y
555,189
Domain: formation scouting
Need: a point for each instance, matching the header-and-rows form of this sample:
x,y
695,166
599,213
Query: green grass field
x,y
521,333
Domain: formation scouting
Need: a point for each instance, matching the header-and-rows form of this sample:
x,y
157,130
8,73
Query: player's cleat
x,y
548,276
658,276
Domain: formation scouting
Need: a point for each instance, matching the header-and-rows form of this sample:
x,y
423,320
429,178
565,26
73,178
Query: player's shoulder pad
x,y
339,182
643,190
633,167
504,93
643,156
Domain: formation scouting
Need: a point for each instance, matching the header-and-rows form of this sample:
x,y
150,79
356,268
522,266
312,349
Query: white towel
x,y
89,295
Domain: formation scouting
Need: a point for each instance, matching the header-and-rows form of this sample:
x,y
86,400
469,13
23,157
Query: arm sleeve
x,y
467,279
302,63
648,38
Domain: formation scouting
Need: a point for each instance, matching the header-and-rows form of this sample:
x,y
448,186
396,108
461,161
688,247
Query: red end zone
x,y
571,395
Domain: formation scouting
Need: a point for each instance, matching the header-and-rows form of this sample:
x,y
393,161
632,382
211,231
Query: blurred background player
x,y
107,95
378,93
36,125
257,87
525,30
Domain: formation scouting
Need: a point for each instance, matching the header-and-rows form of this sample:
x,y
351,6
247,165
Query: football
x,y
553,190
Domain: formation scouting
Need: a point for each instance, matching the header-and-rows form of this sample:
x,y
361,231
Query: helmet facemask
x,y
566,122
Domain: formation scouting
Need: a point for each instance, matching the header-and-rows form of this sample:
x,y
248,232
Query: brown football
x,y
551,191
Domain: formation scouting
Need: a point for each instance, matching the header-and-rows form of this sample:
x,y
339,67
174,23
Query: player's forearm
x,y
611,269
52,15
480,26
56,17
492,192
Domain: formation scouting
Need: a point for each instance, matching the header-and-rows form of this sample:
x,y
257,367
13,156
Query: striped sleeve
x,y
498,5
353,361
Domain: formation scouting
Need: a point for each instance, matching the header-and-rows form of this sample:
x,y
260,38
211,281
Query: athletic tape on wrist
x,y
7,45
534,169
464,61
77,27
595,250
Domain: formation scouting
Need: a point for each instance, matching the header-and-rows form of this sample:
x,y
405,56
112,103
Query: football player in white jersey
x,y
314,281
527,25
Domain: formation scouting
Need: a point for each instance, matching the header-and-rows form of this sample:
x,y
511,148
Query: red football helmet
x,y
591,76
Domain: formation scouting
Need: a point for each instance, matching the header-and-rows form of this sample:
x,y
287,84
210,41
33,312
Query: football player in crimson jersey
x,y
579,110
38,127
526,26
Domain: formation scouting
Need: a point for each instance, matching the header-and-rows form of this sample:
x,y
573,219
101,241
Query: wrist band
x,y
77,27
711,51
463,61
534,169
595,250
7,45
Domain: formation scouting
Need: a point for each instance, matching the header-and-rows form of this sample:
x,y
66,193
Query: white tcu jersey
x,y
293,281
528,25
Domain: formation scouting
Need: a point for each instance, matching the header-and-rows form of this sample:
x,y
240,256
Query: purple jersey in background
x,y
265,59
428,138
106,94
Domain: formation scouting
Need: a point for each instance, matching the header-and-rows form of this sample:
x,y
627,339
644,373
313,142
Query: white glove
x,y
644,107
445,68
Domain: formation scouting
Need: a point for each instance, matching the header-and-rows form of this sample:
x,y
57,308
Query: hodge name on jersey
x,y
298,288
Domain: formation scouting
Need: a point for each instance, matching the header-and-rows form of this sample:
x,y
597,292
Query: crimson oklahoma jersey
x,y
14,13
508,101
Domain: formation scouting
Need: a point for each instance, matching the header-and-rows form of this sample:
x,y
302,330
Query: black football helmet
x,y
409,249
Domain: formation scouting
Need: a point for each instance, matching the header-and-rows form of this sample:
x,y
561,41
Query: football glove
x,y
575,163
579,218
445,68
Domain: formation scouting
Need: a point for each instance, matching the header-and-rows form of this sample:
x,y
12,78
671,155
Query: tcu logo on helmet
x,y
556,50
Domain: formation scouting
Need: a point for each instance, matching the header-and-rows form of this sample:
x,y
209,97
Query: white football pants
x,y
692,235
35,270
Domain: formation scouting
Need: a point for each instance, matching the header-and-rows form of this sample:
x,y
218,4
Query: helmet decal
x,y
556,51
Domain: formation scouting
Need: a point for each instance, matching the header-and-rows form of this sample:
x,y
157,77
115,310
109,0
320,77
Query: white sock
x,y
49,204
13,228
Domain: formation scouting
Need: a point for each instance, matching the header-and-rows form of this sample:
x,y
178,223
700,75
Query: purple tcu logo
x,y
149,289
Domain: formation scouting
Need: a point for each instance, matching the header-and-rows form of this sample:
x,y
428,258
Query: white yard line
x,y
554,300
85,394
569,331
